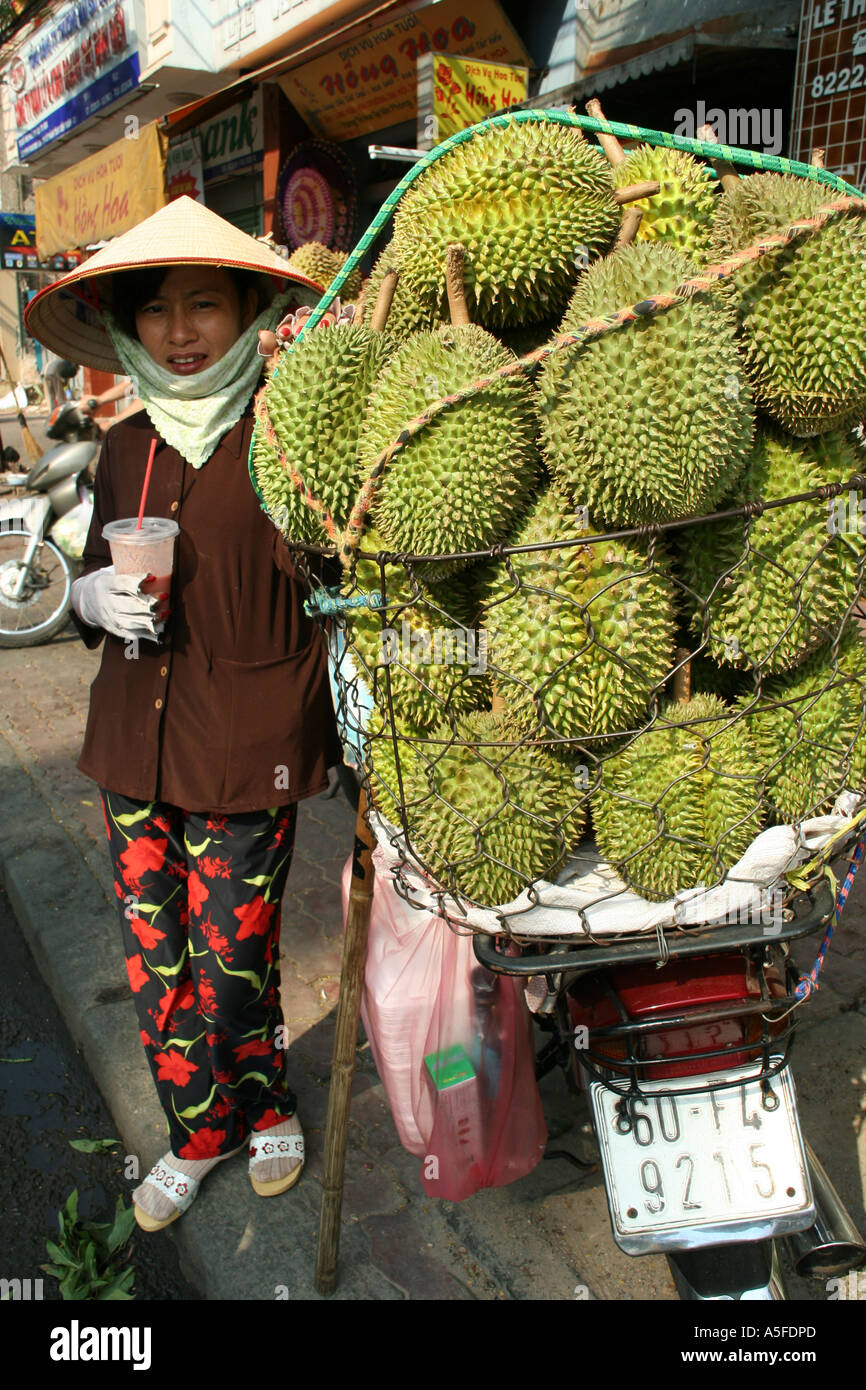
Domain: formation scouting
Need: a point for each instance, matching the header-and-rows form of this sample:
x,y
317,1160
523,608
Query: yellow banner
x,y
371,83
104,195
466,91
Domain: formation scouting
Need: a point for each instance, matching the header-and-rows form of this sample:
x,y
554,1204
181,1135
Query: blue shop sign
x,y
107,89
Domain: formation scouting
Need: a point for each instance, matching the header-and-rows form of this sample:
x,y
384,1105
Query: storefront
x,y
324,103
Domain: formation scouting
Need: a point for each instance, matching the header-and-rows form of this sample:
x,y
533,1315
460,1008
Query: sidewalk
x,y
546,1237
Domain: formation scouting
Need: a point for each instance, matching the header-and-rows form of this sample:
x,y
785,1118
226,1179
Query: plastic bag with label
x,y
453,1046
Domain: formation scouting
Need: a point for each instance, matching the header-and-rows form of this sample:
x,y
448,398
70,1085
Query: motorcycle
x,y
42,528
686,1067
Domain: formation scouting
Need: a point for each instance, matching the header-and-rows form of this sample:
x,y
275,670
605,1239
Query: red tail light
x,y
702,997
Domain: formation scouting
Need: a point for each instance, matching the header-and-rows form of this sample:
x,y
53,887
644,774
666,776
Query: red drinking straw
x,y
146,483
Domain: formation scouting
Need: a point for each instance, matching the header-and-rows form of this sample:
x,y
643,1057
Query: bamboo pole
x,y
343,1058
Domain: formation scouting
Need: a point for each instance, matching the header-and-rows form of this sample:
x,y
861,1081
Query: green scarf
x,y
192,413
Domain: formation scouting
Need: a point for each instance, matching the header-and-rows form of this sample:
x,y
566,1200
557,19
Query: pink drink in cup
x,y
148,549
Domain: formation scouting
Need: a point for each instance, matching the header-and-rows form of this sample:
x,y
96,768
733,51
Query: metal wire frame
x,y
769,1052
401,593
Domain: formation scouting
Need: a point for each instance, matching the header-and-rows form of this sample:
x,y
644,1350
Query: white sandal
x,y
180,1189
263,1148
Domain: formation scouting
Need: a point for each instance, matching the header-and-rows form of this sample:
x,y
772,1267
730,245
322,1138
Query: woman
x,y
210,717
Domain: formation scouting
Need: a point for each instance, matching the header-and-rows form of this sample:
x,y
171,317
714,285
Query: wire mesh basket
x,y
600,732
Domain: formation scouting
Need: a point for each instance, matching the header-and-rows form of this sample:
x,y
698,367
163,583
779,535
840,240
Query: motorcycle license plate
x,y
704,1169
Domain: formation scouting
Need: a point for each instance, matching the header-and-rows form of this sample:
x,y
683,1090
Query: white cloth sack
x,y
589,897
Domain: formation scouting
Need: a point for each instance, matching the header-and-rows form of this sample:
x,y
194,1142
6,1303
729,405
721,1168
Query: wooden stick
x,y
609,143
343,1058
683,676
455,260
633,191
384,298
728,176
631,220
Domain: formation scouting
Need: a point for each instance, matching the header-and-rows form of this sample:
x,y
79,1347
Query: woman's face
x,y
193,319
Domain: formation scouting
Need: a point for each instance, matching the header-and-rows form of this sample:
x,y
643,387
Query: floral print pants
x,y
199,903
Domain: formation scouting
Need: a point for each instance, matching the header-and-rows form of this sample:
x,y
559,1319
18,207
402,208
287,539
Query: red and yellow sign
x,y
466,91
371,83
104,195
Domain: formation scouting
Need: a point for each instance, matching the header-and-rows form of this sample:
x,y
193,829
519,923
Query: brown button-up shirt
x,y
231,711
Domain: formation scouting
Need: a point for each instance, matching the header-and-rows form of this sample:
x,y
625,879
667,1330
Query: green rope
x,y
623,130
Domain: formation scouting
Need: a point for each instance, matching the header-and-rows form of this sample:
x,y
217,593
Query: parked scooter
x,y
686,1066
42,527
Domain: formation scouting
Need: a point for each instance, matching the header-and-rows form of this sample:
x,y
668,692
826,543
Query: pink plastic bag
x,y
453,1045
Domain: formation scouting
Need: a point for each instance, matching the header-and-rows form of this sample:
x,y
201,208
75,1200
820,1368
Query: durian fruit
x,y
435,658
768,592
802,308
529,201
682,210
320,264
316,400
410,313
680,805
809,729
282,499
653,422
462,480
486,820
584,632
380,764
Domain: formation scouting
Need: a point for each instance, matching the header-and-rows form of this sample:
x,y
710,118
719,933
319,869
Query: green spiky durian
x,y
380,763
316,400
459,484
489,821
653,422
777,597
682,211
586,630
409,313
284,503
435,659
682,803
320,264
809,729
529,201
802,308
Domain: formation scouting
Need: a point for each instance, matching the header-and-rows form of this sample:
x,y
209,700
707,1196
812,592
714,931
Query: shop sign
x,y
371,83
104,195
234,140
183,171
465,91
77,63
830,87
18,245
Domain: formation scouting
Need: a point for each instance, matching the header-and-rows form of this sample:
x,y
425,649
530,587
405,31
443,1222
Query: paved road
x,y
546,1237
47,1097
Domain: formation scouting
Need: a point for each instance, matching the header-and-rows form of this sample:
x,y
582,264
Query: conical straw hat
x,y
65,316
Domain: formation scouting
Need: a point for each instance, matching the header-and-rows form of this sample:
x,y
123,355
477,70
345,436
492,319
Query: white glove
x,y
112,601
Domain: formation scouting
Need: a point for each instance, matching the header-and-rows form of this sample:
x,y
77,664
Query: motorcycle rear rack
x,y
679,942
